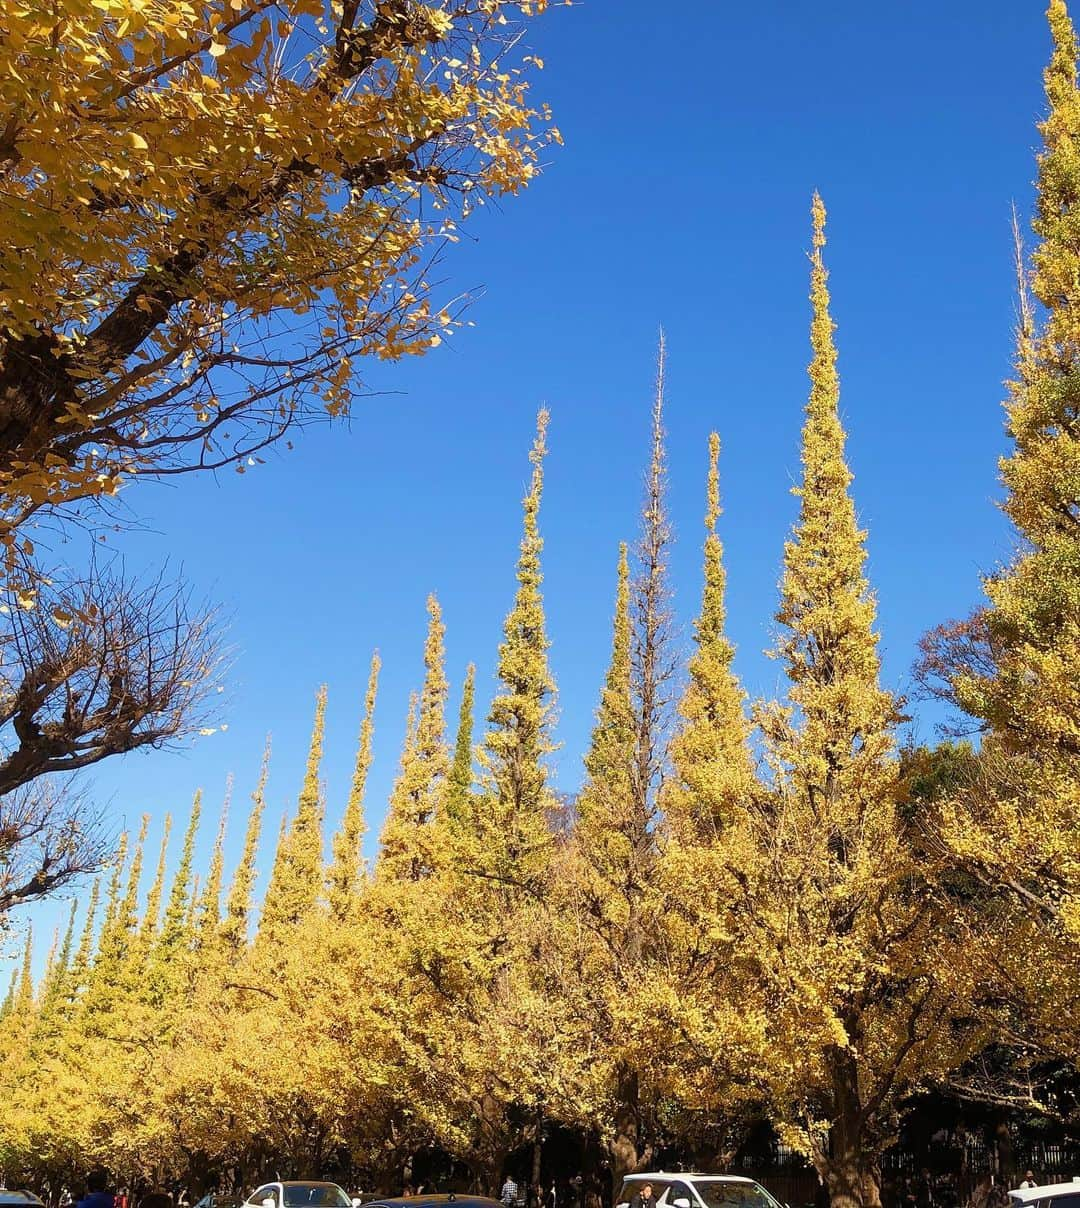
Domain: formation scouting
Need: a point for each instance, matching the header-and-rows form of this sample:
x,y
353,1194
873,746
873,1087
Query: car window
x,y
632,1186
719,1194
269,1192
1064,1201
316,1195
679,1191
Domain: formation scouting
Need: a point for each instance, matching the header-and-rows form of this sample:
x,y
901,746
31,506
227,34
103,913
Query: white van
x,y
687,1190
1053,1195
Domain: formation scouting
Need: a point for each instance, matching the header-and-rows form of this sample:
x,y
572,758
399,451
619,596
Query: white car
x,y
686,1190
1053,1195
299,1194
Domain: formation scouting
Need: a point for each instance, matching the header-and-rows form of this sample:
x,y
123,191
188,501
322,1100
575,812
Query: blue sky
x,y
695,135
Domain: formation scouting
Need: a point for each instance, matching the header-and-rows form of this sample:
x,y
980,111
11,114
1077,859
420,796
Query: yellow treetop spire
x,y
81,964
603,832
173,926
347,866
461,771
150,919
714,773
208,918
830,647
234,927
510,834
408,843
298,867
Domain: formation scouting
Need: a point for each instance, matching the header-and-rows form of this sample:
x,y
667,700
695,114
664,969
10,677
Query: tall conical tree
x,y
347,867
615,838
409,846
714,773
866,998
81,964
296,879
152,913
128,916
24,994
58,982
8,1004
174,933
604,832
829,649
234,927
1030,698
652,658
507,828
461,771
208,908
105,975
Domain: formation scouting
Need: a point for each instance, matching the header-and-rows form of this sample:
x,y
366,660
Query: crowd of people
x,y
96,1194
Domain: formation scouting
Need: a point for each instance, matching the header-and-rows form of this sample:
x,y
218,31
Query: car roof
x,y
7,1196
692,1175
1026,1194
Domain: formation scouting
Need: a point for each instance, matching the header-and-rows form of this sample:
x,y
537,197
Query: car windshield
x,y
719,1194
315,1195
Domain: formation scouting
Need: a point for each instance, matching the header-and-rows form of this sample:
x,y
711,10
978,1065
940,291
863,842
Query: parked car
x,y
686,1190
14,1198
215,1199
434,1201
299,1194
1053,1195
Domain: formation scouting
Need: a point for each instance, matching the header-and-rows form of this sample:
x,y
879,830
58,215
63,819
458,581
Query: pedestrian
x,y
97,1192
1029,1180
509,1193
643,1197
156,1199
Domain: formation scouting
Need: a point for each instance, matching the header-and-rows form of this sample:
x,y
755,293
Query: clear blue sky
x,y
695,134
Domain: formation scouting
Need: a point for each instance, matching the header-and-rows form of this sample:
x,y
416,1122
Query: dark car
x,y
217,1199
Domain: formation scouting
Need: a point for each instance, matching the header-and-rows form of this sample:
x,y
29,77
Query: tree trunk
x,y
538,1147
627,1152
851,1170
1003,1150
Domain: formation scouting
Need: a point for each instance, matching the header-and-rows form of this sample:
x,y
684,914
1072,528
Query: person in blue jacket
x,y
97,1193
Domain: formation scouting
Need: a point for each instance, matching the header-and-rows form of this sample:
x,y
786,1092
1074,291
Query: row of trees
x,y
767,913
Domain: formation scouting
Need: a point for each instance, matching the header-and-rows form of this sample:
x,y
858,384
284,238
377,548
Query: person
x,y
509,1193
156,1199
97,1193
1029,1179
643,1197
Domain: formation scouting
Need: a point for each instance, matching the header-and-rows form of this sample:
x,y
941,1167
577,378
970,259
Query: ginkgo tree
x,y
211,211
